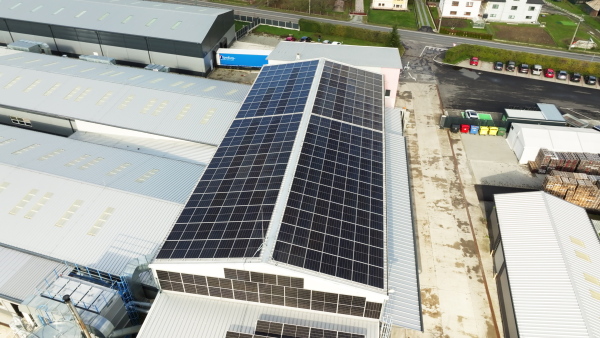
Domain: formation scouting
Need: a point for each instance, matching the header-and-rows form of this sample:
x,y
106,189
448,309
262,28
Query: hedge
x,y
344,31
457,32
464,52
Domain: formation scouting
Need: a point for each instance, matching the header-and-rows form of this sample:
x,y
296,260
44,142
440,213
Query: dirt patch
x,y
431,303
234,75
456,23
526,34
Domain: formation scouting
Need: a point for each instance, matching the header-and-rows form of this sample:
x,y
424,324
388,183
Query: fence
x,y
448,121
254,21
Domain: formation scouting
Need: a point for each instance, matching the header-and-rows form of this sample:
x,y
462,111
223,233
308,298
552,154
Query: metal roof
x,y
553,263
141,18
21,273
403,306
525,114
550,112
128,171
179,315
358,56
123,97
558,138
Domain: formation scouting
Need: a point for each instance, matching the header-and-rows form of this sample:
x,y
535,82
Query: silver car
x,y
562,75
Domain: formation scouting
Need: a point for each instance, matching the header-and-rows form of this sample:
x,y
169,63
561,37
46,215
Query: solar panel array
x,y
228,214
333,222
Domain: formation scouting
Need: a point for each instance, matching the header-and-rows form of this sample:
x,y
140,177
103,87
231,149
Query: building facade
x,y
514,11
460,9
394,5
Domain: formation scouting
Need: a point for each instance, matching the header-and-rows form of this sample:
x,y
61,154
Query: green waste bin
x,y
501,131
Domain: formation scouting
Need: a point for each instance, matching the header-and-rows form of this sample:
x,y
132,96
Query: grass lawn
x,y
240,24
404,19
435,14
531,34
562,34
461,25
569,7
298,34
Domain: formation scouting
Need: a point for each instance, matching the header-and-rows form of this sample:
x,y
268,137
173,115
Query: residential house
x,y
394,5
592,7
460,9
513,11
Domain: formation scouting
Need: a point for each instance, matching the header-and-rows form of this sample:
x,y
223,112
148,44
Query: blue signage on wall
x,y
243,60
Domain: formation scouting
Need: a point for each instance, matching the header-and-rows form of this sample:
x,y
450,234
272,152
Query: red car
x,y
549,72
474,61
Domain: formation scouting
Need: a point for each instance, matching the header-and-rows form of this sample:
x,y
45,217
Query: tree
x,y
394,40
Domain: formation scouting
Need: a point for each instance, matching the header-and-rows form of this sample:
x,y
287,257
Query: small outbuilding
x,y
592,7
547,114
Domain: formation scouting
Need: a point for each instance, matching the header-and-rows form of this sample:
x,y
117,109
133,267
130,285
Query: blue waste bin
x,y
474,130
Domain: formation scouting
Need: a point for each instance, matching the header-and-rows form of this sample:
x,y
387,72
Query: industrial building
x,y
545,259
526,140
181,37
302,220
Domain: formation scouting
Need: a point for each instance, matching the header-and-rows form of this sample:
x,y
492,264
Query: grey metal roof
x,y
524,114
553,262
189,316
550,112
21,273
203,118
358,56
404,306
142,18
99,165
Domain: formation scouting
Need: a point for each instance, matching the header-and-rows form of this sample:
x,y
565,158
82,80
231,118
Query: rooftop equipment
x,y
30,46
99,59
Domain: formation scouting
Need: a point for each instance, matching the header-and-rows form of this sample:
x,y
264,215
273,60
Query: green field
x,y
403,19
282,32
561,33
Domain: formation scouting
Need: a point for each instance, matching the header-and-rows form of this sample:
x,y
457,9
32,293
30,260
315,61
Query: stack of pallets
x,y
548,160
589,163
569,161
577,188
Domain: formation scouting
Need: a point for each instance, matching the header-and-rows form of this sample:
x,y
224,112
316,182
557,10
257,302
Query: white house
x,y
460,9
395,5
517,11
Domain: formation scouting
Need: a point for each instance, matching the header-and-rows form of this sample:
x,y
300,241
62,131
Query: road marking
x,y
412,77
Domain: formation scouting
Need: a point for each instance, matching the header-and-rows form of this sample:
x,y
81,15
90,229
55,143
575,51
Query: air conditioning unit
x,y
98,59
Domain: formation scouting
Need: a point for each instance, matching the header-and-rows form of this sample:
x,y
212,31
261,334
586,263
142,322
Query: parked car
x,y
290,38
336,43
590,80
549,72
524,68
575,77
498,65
596,128
562,75
326,42
510,66
474,61
536,70
305,39
471,114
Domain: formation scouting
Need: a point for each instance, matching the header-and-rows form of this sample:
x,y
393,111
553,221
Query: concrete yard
x,y
458,292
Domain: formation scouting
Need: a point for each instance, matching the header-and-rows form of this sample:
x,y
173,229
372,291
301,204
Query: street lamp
x,y
573,39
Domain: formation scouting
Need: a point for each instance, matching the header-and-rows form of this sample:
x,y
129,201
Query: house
x,y
460,9
513,11
394,5
592,7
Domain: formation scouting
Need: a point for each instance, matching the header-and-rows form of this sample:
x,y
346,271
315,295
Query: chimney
x,y
78,319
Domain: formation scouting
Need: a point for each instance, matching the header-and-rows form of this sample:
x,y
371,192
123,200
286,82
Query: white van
x,y
536,70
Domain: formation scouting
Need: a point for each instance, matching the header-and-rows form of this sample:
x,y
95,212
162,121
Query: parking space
x,y
489,67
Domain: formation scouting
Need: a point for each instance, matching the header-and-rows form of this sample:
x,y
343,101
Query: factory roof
x,y
141,18
358,56
187,316
552,258
22,272
170,105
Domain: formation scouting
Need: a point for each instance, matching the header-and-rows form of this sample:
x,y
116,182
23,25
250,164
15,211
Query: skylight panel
x,y
58,11
91,163
208,89
103,16
151,22
31,86
50,64
118,169
148,106
126,20
16,5
208,115
87,70
69,67
104,98
7,141
26,199
33,61
107,73
80,14
183,111
52,154
42,201
177,83
136,77
231,92
77,160
12,83
3,186
176,25
51,90
157,80
101,221
83,95
72,93
116,74
26,149
69,213
126,102
160,108
36,9
188,85
147,175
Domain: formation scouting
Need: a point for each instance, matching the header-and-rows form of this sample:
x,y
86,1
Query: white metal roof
x,y
358,56
131,102
553,262
22,272
141,18
189,316
128,171
525,114
558,138
404,305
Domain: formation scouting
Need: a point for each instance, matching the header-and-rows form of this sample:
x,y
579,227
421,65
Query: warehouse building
x,y
526,140
546,259
184,38
299,224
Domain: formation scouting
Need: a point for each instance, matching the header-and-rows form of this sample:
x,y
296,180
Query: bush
x,y
457,32
464,52
344,31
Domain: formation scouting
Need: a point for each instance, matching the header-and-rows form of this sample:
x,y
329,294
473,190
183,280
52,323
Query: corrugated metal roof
x,y
149,19
404,306
202,118
553,262
358,56
189,316
22,272
525,114
550,112
558,138
151,176
83,223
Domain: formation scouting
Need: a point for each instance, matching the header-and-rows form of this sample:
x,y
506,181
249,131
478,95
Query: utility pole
x,y
573,39
308,6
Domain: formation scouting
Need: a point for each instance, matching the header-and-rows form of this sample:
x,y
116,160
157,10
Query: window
x,y
454,3
387,92
531,8
513,8
470,4
528,17
492,15
453,13
511,16
467,13
495,6
20,121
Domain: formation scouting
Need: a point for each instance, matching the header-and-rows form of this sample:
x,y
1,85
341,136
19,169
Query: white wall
x,y
391,76
447,8
395,5
311,282
505,13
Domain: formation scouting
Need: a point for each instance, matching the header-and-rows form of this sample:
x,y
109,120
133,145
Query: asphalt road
x,y
407,36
